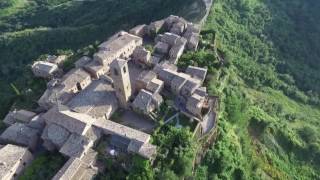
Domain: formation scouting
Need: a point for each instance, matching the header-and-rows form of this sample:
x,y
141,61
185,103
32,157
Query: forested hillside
x,y
30,28
270,111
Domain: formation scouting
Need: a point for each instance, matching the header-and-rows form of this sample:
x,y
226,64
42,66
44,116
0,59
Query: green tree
x,y
141,170
201,173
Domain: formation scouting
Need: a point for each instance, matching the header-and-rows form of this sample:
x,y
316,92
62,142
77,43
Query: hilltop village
x,y
114,95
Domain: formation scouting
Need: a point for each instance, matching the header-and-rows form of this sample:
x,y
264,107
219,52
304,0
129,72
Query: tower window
x,y
115,72
124,69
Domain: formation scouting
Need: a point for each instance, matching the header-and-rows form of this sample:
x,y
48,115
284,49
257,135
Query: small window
x,y
115,72
124,69
79,87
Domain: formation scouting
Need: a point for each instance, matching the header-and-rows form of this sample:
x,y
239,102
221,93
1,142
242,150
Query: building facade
x,y
121,79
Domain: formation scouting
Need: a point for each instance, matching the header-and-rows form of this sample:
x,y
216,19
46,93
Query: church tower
x,y
121,81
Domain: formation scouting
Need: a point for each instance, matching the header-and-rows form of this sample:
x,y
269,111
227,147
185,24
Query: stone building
x,y
165,65
72,121
178,82
177,50
53,96
195,105
22,116
142,56
121,79
139,30
192,35
75,80
69,132
179,27
161,48
158,38
73,134
95,69
155,86
155,60
144,79
202,91
137,139
9,119
155,27
58,60
98,100
21,134
120,46
80,63
28,118
169,38
192,28
176,24
190,87
146,102
37,122
187,87
44,69
167,75
197,72
13,160
79,168
169,21
193,42
54,136
76,146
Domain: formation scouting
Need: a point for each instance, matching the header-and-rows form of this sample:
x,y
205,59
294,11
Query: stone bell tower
x,y
121,81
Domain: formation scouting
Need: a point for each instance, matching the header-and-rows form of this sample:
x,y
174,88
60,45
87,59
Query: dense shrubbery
x,y
200,58
45,166
176,152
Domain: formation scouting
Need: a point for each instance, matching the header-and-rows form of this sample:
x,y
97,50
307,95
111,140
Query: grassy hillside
x,y
270,111
31,28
